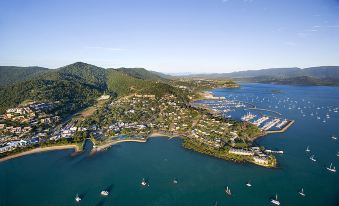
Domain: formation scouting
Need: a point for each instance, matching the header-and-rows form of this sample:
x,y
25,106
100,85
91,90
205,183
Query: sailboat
x,y
312,158
228,191
331,169
143,182
248,184
77,198
308,149
334,137
275,201
301,192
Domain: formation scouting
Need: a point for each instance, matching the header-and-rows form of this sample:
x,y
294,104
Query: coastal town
x,y
135,117
24,126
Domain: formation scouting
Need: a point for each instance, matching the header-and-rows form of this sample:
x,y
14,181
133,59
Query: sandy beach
x,y
105,146
42,149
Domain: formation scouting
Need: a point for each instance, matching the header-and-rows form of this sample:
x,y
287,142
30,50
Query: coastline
x,y
155,133
109,144
42,149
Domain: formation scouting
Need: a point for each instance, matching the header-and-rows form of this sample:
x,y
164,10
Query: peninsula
x,y
110,106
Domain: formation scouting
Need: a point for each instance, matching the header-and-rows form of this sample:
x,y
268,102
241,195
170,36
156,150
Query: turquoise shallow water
x,y
53,178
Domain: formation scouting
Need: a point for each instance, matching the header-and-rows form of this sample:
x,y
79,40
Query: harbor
x,y
268,120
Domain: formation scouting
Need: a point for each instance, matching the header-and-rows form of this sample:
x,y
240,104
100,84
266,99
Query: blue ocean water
x,y
54,178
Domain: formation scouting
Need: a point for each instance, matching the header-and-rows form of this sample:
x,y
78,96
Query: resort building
x,y
241,152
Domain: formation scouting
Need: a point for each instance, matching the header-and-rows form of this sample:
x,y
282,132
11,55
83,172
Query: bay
x,y
54,178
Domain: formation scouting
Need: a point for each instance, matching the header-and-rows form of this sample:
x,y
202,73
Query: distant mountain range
x,y
322,75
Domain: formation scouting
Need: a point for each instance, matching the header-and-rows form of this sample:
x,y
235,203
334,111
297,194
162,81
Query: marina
x,y
267,120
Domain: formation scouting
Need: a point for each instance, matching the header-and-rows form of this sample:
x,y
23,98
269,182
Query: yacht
x,y
334,137
331,169
104,193
175,181
301,192
248,184
275,201
143,182
308,149
228,191
77,198
312,158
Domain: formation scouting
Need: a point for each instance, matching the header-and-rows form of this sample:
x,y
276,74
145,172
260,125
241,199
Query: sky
x,y
172,36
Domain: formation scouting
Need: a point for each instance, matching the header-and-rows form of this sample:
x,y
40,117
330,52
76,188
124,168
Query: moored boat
x,y
228,191
144,182
248,184
104,193
275,201
77,198
331,169
312,158
301,192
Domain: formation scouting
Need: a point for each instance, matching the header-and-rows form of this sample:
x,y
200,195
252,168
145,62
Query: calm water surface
x,y
54,178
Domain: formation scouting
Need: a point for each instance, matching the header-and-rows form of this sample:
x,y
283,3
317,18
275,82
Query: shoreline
x,y
42,149
109,144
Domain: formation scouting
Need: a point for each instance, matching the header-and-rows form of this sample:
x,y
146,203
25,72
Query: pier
x,y
281,130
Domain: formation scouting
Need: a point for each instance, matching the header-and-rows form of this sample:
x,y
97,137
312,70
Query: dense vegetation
x,y
11,74
78,85
141,73
72,95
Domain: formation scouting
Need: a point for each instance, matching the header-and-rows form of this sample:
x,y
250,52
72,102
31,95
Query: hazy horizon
x,y
175,73
195,36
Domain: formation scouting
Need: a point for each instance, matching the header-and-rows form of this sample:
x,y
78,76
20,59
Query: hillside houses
x,y
25,122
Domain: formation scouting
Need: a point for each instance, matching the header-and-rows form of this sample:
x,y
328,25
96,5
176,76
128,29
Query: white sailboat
x,y
248,184
275,201
77,198
331,169
143,182
312,158
301,192
334,137
228,191
308,149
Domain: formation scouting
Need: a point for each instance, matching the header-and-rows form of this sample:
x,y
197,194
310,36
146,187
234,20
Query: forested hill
x,y
79,85
12,74
142,73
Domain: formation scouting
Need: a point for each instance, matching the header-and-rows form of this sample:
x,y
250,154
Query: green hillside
x,y
11,74
141,73
78,85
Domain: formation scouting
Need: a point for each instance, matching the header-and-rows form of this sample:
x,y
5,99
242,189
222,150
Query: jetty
x,y
290,123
